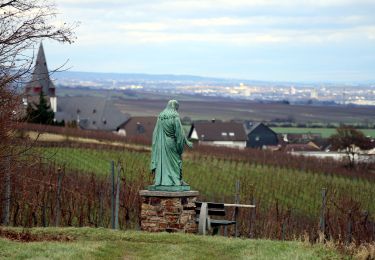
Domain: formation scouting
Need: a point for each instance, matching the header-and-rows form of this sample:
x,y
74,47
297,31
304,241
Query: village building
x,y
261,136
138,126
39,82
230,134
92,113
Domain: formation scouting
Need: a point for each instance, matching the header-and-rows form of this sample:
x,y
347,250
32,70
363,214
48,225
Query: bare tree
x,y
23,24
349,140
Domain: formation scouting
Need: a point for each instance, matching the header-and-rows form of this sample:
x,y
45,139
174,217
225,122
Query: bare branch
x,y
23,24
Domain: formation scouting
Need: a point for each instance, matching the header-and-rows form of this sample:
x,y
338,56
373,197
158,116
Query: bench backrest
x,y
214,209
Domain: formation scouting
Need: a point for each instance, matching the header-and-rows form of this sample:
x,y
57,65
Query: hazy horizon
x,y
57,75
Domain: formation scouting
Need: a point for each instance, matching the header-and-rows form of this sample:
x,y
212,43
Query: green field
x,y
90,243
325,132
215,179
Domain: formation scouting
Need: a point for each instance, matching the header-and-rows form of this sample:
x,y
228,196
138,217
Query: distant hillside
x,y
77,75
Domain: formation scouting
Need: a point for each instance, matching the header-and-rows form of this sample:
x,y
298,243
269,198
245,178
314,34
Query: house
x,y
230,134
138,126
260,136
91,113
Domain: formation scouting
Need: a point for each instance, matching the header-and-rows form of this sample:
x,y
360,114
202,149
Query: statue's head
x,y
173,104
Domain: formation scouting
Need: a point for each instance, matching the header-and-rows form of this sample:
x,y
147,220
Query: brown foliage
x,y
285,160
286,223
347,136
8,109
350,140
85,198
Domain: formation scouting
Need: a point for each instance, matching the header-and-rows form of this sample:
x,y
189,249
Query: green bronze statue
x,y
168,142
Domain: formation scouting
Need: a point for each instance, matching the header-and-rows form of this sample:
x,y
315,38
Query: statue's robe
x,y
167,147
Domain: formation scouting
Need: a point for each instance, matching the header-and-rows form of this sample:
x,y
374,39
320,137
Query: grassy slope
x,y
215,179
325,132
101,243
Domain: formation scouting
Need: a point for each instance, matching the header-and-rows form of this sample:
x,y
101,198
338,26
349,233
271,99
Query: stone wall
x,y
168,211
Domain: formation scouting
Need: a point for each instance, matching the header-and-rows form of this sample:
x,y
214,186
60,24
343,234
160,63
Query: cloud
x,y
146,34
101,27
264,28
187,5
241,24
236,18
190,8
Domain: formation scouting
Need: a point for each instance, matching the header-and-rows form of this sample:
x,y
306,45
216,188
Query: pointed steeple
x,y
40,77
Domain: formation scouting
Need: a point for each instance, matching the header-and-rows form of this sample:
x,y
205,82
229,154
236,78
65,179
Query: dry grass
x,y
50,137
360,251
365,251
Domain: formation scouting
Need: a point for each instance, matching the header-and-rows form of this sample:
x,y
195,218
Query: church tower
x,y
41,81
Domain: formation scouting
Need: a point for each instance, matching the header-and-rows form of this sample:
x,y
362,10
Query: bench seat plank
x,y
211,205
212,212
219,222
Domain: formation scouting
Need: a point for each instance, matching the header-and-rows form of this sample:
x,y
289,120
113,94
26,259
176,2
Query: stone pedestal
x,y
168,211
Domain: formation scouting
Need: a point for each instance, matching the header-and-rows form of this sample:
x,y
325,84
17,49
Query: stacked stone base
x,y
168,211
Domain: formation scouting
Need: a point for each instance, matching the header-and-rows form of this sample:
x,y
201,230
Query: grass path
x,y
90,243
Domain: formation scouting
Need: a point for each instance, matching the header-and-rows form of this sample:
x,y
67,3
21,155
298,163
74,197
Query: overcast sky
x,y
291,40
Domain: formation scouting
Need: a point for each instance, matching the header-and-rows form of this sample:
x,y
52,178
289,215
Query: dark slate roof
x,y
219,131
40,77
252,126
94,113
139,125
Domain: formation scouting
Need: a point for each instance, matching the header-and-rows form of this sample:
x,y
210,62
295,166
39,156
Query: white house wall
x,y
233,144
194,135
53,102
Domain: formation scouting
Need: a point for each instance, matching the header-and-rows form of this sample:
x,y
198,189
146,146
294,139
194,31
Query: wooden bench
x,y
204,211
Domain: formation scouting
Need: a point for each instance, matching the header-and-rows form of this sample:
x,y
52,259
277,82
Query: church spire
x,y
40,77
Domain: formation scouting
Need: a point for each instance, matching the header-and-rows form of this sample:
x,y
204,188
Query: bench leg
x,y
203,217
215,230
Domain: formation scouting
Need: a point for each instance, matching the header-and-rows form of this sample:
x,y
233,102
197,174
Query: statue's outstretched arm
x,y
181,137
